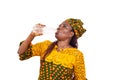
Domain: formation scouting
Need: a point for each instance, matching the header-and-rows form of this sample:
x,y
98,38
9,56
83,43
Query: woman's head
x,y
71,29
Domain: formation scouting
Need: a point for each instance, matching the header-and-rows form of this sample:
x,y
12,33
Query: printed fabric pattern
x,y
67,64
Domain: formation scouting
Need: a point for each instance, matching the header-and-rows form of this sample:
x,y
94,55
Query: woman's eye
x,y
64,26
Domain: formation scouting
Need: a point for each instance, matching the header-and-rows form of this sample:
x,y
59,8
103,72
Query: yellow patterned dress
x,y
62,65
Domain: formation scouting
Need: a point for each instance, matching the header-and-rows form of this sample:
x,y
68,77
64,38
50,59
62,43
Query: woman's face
x,y
64,31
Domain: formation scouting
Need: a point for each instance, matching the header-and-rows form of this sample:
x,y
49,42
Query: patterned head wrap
x,y
77,27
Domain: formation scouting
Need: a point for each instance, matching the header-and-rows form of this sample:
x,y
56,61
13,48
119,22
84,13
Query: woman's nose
x,y
58,28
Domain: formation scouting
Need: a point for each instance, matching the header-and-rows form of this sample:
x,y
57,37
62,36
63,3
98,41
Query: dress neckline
x,y
60,50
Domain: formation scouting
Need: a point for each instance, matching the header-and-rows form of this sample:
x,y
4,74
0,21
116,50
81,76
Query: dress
x,y
62,65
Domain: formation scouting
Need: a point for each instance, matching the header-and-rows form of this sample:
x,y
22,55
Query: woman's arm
x,y
35,32
24,46
79,68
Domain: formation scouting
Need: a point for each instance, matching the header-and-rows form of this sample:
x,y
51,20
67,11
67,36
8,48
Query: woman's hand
x,y
38,29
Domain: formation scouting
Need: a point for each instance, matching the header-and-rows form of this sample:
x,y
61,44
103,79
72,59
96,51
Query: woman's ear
x,y
71,34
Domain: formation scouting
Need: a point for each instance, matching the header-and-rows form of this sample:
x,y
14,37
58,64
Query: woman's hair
x,y
73,43
49,49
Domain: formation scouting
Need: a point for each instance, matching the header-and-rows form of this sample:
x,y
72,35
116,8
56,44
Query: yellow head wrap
x,y
77,27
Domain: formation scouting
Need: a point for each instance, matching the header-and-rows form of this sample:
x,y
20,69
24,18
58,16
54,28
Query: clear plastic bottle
x,y
44,30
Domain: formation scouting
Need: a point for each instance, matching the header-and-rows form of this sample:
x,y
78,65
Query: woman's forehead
x,y
65,23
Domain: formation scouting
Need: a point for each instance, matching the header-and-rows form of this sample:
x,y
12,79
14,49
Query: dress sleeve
x,y
34,50
79,67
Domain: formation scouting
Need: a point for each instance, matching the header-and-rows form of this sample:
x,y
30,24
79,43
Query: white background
x,y
100,44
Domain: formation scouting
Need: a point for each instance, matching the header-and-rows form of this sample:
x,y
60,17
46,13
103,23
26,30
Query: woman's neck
x,y
63,44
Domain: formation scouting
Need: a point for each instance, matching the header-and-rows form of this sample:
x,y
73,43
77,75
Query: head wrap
x,y
77,27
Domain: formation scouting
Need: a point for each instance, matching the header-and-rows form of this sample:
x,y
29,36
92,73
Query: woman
x,y
60,60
